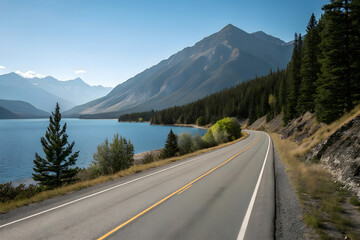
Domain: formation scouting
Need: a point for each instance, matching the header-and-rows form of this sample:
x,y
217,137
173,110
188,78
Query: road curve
x,y
224,194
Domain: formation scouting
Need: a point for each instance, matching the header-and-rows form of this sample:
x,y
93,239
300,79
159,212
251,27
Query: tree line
x,y
323,76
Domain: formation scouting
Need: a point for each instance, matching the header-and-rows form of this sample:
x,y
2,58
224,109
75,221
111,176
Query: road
x,y
224,194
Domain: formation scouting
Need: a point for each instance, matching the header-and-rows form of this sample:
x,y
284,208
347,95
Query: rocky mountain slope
x,y
219,61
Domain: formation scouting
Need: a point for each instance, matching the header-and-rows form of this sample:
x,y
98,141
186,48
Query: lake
x,y
20,139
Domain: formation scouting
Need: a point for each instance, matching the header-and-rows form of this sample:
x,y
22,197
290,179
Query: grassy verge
x,y
321,197
7,206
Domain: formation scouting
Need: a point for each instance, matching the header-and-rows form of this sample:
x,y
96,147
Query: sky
x,y
106,42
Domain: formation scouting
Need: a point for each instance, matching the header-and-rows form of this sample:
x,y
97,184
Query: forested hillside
x,y
323,76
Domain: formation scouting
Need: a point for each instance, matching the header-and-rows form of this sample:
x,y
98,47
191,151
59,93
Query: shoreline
x,y
137,156
175,124
183,125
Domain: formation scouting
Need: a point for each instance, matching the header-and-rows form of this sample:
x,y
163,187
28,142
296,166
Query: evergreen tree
x,y
334,94
355,49
294,81
171,146
56,168
283,93
310,68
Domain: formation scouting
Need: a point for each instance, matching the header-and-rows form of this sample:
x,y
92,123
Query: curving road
x,y
224,194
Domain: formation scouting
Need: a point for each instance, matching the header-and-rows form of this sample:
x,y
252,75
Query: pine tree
x,y
283,92
171,146
355,49
310,68
294,81
56,168
334,94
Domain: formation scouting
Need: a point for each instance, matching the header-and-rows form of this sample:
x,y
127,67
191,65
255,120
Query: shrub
x,y
221,136
9,192
229,125
148,158
197,143
89,173
185,143
224,130
113,157
208,138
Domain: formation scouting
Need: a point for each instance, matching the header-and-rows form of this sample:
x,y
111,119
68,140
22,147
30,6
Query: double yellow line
x,y
179,191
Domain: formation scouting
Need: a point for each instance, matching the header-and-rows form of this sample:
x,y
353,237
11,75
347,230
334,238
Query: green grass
x,y
314,221
355,201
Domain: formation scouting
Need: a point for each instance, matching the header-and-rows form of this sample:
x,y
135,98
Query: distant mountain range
x,y
43,93
217,62
13,109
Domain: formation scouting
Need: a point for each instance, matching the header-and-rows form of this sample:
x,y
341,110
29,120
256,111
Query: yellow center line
x,y
184,189
180,190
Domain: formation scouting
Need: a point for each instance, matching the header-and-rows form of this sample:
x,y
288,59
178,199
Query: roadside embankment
x,y
322,162
340,154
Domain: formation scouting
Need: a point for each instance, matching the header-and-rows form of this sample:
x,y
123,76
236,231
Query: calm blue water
x,y
20,139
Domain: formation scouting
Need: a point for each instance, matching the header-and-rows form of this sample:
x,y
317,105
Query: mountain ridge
x,y
20,109
45,92
219,61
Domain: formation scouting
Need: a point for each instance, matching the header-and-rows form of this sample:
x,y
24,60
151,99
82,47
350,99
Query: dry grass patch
x,y
7,206
327,130
321,197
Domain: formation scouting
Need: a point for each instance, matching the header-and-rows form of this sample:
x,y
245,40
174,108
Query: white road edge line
x,y
245,222
105,190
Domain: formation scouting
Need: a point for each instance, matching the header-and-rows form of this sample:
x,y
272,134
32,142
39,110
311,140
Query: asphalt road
x,y
224,194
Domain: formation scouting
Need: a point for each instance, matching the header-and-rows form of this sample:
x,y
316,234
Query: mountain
x,y
15,87
6,114
217,62
263,36
43,93
21,109
75,91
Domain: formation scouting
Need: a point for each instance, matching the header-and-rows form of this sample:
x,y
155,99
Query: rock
x,y
301,127
340,153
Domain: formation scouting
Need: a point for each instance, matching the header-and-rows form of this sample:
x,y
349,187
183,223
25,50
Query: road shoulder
x,y
288,212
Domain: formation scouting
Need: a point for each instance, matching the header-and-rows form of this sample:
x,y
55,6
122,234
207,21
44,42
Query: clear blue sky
x,y
113,40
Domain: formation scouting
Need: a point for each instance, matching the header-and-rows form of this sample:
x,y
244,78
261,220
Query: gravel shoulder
x,y
288,212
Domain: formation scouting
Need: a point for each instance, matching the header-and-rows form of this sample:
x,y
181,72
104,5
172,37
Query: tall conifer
x,y
334,94
171,146
56,168
294,81
310,68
